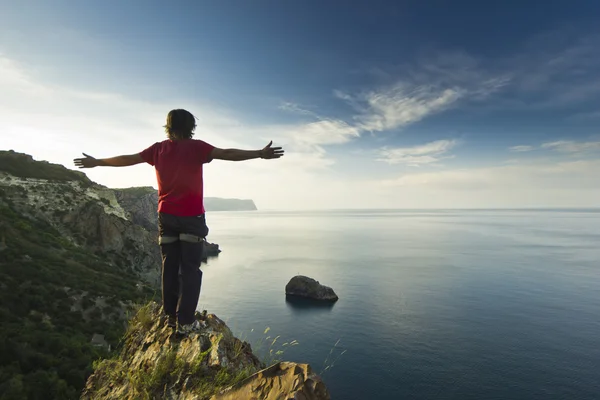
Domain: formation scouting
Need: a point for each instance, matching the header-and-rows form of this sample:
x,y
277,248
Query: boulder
x,y
303,286
211,249
284,380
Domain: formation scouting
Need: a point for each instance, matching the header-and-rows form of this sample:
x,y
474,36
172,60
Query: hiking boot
x,y
201,315
172,321
189,328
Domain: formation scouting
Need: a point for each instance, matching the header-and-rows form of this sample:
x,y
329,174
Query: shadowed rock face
x,y
303,286
284,380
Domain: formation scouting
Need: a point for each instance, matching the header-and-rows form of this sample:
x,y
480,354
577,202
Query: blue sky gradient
x,y
379,104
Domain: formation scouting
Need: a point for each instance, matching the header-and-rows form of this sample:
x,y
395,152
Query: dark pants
x,y
181,298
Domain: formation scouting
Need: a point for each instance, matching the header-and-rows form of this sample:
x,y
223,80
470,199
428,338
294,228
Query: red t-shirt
x,y
178,165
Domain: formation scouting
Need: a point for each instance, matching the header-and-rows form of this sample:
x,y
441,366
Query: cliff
x,y
63,303
211,364
87,215
72,264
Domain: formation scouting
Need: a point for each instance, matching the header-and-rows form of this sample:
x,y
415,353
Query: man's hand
x,y
266,153
87,162
119,161
269,152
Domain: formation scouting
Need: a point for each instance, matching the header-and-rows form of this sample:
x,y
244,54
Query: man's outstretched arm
x,y
266,153
119,161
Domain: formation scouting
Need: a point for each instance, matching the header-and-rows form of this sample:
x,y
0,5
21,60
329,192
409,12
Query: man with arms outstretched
x,y
182,225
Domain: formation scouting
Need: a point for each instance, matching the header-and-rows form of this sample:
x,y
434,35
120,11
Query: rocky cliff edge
x,y
211,364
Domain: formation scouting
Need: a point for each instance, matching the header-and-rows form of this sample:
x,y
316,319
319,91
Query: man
x,y
182,225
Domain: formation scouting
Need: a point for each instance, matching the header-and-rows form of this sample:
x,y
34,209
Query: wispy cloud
x,y
578,174
402,105
323,131
430,153
429,86
296,108
521,148
376,111
569,146
318,133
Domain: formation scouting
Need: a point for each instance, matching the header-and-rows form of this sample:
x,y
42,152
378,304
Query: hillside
x,y
24,166
55,296
73,265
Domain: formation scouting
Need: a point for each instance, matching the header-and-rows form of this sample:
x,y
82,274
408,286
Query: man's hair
x,y
180,124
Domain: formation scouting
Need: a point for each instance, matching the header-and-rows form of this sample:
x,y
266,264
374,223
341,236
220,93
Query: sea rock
x,y
211,249
209,364
295,381
303,286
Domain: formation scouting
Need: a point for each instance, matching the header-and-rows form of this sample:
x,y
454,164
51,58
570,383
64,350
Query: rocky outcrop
x,y
24,166
303,286
87,215
140,204
210,364
284,380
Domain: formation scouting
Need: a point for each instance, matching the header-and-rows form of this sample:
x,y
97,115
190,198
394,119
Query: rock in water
x,y
211,249
303,286
284,380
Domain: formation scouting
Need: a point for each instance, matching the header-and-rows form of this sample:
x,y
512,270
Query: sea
x,y
433,304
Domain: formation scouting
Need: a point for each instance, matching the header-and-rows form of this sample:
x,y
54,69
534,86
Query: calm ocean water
x,y
433,304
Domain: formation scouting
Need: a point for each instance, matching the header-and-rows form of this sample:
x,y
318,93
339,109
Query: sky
x,y
378,104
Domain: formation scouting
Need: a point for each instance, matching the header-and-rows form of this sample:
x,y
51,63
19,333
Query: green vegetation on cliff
x,y
54,296
24,166
153,362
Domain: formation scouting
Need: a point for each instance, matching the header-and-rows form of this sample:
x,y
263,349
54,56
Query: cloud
x,y
569,146
429,87
521,149
323,132
564,175
315,134
433,84
296,108
401,105
379,110
430,153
